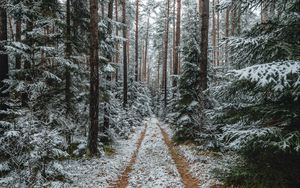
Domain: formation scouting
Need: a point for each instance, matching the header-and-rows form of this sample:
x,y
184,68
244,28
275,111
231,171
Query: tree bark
x,y
218,35
214,34
264,12
137,41
177,42
94,81
146,71
227,35
68,52
165,57
117,44
125,84
108,77
18,39
3,56
204,45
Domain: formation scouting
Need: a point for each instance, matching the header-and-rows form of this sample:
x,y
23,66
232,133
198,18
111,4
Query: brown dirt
x,y
122,181
182,165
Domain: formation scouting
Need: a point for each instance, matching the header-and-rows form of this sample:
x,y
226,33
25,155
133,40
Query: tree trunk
x,y
18,39
214,34
108,77
94,80
264,12
165,57
3,57
227,35
142,64
177,42
218,35
137,41
204,45
117,44
146,52
233,19
68,52
125,86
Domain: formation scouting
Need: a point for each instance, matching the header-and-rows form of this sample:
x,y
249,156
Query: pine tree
x,y
94,81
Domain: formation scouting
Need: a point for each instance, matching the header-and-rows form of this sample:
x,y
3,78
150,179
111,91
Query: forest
x,y
150,93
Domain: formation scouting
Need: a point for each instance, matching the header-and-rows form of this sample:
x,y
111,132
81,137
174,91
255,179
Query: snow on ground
x,y
100,172
201,163
154,166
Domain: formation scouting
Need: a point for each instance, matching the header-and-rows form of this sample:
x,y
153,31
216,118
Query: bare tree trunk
x,y
11,28
146,51
264,12
227,35
142,60
137,40
233,19
177,42
218,35
68,52
166,39
108,77
204,45
158,71
3,56
125,87
213,33
94,81
18,39
117,45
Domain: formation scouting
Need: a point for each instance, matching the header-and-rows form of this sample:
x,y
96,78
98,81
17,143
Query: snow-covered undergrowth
x,y
154,166
100,172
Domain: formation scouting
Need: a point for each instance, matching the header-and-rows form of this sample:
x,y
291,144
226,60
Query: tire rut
x,y
181,164
122,181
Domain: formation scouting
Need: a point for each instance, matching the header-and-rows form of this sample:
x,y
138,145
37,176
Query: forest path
x,y
156,163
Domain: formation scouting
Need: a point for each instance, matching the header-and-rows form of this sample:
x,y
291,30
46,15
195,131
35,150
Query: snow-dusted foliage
x,y
257,103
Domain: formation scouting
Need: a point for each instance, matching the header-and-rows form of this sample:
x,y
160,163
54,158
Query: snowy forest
x,y
150,93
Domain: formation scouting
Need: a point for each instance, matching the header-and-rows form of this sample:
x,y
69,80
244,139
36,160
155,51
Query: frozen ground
x,y
154,166
99,173
201,163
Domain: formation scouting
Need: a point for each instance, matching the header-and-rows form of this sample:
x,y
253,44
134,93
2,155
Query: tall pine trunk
x,y
3,56
125,84
3,38
18,39
177,42
165,55
117,44
68,52
108,77
94,81
214,34
204,44
137,41
146,70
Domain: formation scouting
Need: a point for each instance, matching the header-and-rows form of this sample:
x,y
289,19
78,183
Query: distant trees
x,y
94,80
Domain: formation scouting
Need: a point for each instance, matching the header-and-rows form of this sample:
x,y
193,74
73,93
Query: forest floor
x,y
148,159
